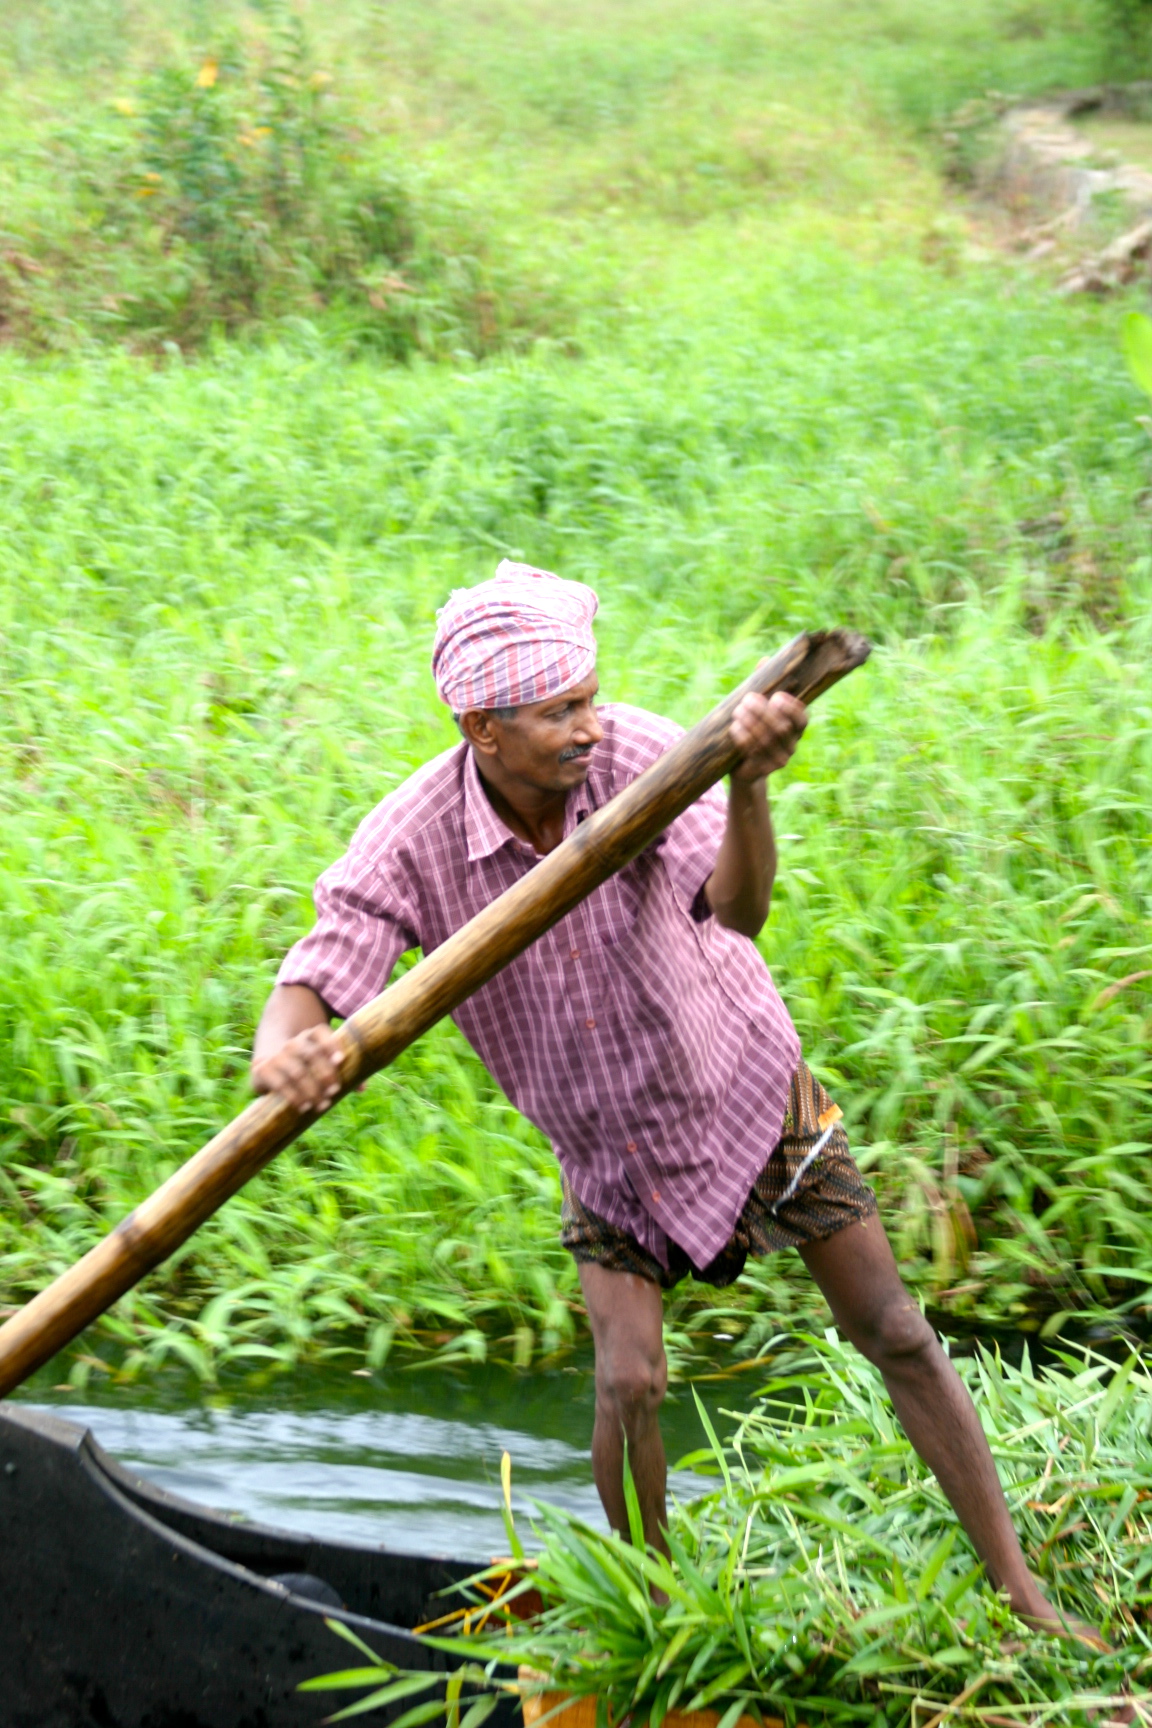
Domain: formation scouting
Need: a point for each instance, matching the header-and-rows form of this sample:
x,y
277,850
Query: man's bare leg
x,y
627,1318
857,1273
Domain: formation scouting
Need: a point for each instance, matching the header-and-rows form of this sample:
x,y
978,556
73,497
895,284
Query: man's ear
x,y
477,726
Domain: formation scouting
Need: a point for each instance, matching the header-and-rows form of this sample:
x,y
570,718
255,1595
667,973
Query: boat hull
x,y
122,1606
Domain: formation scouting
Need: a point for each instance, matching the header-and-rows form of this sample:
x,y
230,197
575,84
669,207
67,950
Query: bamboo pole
x,y
376,1033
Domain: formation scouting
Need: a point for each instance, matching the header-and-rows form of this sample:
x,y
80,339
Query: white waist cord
x,y
805,1165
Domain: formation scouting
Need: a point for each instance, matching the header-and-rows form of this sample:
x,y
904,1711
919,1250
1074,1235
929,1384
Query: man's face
x,y
544,745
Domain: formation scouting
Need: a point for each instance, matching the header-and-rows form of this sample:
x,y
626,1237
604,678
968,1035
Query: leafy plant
x,y
826,1578
244,167
1137,342
232,189
1128,35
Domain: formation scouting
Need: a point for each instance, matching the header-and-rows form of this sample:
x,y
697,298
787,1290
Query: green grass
x,y
796,397
825,1578
521,172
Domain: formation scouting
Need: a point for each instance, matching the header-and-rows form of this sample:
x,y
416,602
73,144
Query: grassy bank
x,y
795,398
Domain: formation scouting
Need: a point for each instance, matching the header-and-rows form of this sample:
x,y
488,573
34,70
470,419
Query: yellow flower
x,y
208,74
123,106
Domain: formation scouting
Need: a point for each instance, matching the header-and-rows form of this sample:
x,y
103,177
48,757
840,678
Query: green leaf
x,y
344,1677
701,1659
673,1648
707,1598
936,1561
646,1676
480,1711
723,1683
1136,340
510,1528
1121,1378
956,1592
732,1715
452,1699
422,1713
350,1637
660,1707
404,1687
632,1502
741,1632
717,1449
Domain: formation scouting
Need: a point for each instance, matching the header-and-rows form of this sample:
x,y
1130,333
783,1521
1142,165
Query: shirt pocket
x,y
612,916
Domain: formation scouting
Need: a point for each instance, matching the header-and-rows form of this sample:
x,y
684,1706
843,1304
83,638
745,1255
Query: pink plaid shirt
x,y
645,1040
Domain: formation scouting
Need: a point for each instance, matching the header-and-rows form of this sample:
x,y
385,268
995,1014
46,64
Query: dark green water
x,y
409,1458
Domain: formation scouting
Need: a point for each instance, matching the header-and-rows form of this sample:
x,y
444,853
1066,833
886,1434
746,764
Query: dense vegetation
x,y
750,367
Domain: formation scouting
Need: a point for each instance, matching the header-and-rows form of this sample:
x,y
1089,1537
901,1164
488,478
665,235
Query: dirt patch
x,y
1056,174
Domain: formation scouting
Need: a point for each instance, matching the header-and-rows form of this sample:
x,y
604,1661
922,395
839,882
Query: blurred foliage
x,y
416,177
233,189
1128,37
1136,338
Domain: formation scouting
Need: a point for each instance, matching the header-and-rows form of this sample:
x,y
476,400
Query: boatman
x,y
643,1034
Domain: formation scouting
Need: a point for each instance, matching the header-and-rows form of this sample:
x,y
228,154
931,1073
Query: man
x,y
642,1034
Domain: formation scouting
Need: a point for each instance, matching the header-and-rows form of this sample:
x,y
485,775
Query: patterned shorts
x,y
797,1198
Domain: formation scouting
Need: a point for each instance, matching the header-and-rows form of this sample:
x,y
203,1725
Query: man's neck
x,y
535,815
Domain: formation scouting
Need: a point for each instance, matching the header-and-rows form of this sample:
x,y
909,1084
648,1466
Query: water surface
x,y
409,1458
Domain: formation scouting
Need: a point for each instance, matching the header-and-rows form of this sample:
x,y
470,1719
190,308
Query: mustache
x,y
576,752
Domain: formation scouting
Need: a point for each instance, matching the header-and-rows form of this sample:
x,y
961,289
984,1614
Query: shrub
x,y
233,190
1128,36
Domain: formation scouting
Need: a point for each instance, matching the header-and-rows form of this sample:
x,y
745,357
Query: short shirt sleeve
x,y
365,920
689,850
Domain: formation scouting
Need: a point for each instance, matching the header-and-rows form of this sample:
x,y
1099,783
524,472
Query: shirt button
x,y
631,1146
575,953
591,1024
656,1195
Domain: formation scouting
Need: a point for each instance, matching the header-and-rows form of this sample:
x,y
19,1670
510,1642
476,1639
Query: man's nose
x,y
588,727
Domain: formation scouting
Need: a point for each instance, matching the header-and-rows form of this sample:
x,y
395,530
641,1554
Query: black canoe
x,y
122,1606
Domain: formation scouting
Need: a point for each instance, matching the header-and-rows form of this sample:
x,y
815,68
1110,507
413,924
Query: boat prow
x,y
123,1606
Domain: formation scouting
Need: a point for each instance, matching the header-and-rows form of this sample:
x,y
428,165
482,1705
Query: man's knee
x,y
627,1316
896,1335
632,1381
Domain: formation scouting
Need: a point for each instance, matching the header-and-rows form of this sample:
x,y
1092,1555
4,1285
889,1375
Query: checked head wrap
x,y
521,637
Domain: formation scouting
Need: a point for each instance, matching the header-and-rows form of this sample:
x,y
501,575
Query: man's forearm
x,y
766,731
739,889
290,1009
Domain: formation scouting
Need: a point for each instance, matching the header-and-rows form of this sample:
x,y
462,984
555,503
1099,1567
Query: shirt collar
x,y
484,830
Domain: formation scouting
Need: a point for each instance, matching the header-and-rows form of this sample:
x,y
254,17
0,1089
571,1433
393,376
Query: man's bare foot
x,y
1035,1610
1067,1626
